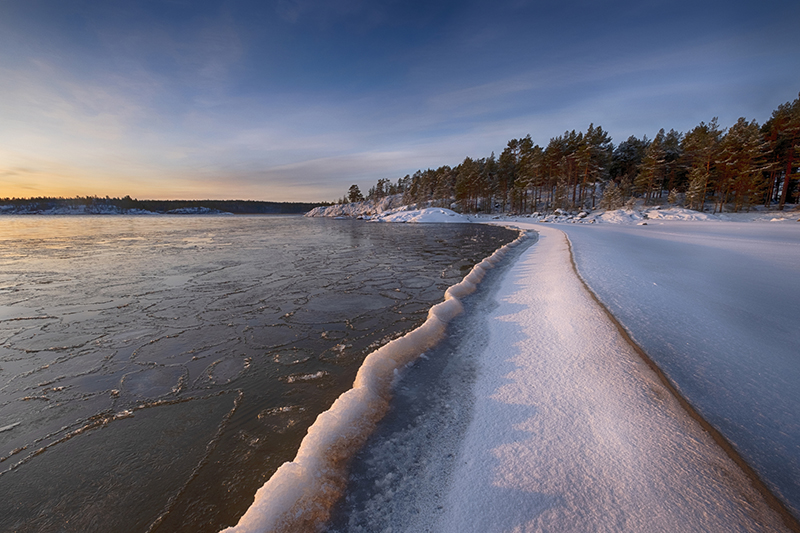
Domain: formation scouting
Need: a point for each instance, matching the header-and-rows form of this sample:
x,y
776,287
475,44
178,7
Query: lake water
x,y
155,371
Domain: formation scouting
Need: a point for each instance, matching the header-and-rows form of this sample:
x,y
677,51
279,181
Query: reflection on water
x,y
155,371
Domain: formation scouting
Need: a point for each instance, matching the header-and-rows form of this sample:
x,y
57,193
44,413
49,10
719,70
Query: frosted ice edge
x,y
300,494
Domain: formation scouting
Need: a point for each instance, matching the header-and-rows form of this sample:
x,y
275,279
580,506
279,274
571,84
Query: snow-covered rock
x,y
617,216
424,216
677,213
356,209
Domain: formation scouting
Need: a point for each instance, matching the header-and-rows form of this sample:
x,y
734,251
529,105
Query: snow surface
x,y
716,305
570,431
573,432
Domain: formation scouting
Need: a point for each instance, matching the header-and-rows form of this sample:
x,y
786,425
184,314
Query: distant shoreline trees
x,y
733,169
96,204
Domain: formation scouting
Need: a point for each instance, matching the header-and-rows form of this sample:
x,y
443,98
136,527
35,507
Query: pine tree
x,y
627,157
354,194
612,197
673,196
651,170
674,174
740,172
561,194
782,131
695,194
700,148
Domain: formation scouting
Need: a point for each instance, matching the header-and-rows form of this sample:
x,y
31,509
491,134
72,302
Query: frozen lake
x,y
155,371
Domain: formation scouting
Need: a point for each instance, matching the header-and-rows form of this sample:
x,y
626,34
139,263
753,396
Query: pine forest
x,y
708,168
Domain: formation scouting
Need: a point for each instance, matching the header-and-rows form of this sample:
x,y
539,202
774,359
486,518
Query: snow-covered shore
x,y
571,430
392,209
715,305
643,215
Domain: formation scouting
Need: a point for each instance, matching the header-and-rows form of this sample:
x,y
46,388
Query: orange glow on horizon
x,y
26,183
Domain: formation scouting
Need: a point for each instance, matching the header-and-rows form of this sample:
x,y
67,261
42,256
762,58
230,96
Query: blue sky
x,y
298,99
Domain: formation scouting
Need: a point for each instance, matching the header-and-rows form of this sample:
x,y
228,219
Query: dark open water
x,y
155,371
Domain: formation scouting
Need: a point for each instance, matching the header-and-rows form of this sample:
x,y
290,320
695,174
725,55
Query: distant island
x,y
93,205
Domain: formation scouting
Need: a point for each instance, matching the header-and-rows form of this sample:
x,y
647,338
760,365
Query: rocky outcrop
x,y
359,209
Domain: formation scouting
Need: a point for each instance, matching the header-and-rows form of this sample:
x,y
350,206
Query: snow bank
x,y
643,215
634,216
299,496
424,216
617,216
572,431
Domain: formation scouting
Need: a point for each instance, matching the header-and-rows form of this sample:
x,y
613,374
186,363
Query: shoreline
x,y
301,493
399,479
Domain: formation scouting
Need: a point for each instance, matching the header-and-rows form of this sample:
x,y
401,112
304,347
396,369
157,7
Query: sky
x,y
295,100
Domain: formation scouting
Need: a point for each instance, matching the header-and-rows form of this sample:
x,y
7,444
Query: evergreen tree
x,y
612,197
561,194
627,157
354,194
651,170
782,131
673,196
674,173
594,156
739,168
466,187
700,148
696,193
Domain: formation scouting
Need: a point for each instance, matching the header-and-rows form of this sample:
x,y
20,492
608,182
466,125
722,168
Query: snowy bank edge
x,y
300,494
644,216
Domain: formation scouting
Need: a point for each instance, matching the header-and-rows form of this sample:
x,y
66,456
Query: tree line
x,y
155,206
733,168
